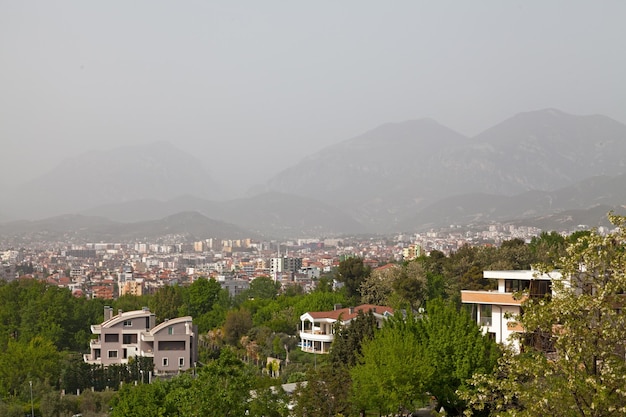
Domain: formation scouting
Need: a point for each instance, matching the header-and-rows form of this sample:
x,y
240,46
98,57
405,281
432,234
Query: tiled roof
x,y
346,315
387,266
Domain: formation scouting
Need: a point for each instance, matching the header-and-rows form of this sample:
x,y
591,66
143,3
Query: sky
x,y
252,87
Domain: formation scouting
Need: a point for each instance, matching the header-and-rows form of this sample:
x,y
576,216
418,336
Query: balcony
x,y
316,336
87,359
95,343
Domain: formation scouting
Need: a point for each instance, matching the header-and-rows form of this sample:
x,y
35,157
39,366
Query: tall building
x,y
411,252
284,267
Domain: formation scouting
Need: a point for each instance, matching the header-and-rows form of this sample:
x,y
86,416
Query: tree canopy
x,y
352,272
582,371
435,351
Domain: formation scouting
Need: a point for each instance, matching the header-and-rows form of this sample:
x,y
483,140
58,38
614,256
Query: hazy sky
x,y
250,87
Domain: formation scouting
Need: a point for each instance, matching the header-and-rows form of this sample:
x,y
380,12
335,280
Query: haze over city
x,y
251,88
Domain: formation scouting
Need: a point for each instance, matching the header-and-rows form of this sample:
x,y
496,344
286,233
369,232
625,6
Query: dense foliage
x,y
581,370
433,352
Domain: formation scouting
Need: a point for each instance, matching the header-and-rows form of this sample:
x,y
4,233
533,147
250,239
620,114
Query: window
x,y
485,314
515,285
170,330
128,323
111,338
181,362
171,345
165,362
97,353
112,353
129,338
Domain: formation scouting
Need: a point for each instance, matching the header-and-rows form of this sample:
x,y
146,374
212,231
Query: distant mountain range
x,y
124,174
268,214
186,226
405,176
386,176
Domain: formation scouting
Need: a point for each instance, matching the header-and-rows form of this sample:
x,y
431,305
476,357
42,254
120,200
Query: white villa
x,y
495,311
317,330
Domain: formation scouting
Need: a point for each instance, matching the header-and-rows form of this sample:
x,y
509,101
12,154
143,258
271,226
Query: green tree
x,y
583,374
238,323
142,400
269,401
200,296
129,302
318,301
378,287
346,347
466,266
167,302
230,382
37,359
392,373
548,248
411,285
263,288
326,393
434,352
352,272
456,349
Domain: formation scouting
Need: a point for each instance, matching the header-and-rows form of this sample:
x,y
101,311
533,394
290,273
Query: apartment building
x,y
284,267
496,311
172,344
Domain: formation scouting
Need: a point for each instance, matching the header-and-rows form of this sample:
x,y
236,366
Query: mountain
x,y
118,175
574,219
187,226
378,174
385,177
269,214
283,215
606,192
397,177
550,149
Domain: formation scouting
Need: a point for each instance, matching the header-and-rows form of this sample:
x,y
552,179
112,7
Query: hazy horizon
x,y
251,88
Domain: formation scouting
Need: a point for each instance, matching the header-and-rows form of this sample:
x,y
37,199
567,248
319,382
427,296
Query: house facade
x,y
172,345
496,311
317,328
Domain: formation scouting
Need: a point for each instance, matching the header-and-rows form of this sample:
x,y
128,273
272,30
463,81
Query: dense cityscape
x,y
110,270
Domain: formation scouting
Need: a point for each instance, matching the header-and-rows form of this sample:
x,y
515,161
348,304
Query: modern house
x,y
172,344
496,311
317,330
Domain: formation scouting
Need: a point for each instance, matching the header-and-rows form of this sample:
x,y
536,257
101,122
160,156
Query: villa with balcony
x,y
317,329
172,345
496,311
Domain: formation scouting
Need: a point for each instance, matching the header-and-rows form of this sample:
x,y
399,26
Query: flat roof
x,y
526,275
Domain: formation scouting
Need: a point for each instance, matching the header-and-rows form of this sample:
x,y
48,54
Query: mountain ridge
x,y
396,176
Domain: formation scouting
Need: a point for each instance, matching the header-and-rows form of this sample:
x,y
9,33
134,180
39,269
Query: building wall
x,y
172,344
174,347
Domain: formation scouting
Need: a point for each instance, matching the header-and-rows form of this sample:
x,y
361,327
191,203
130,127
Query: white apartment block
x,y
496,311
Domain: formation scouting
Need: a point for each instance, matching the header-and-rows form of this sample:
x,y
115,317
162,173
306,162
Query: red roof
x,y
387,266
349,313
